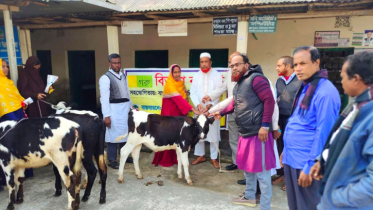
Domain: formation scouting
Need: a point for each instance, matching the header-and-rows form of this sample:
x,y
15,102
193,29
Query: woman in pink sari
x,y
174,103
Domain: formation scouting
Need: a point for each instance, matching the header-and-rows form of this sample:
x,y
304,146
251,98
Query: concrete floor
x,y
211,190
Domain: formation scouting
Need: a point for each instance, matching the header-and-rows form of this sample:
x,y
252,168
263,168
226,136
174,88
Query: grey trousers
x,y
300,198
265,185
233,136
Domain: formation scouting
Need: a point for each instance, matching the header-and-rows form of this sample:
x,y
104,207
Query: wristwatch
x,y
266,128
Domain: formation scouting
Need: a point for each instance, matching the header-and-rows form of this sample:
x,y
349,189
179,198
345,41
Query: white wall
x,y
264,51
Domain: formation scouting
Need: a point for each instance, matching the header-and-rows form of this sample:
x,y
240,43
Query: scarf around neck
x,y
306,101
340,134
205,70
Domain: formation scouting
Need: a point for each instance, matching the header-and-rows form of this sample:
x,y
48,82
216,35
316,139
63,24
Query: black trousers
x,y
2,177
300,198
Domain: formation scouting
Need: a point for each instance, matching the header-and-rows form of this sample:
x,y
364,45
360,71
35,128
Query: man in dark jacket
x,y
253,105
286,88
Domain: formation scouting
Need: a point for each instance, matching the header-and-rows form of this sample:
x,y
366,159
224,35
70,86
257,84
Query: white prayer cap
x,y
205,54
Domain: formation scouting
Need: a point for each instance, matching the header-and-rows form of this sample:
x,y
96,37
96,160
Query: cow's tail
x,y
101,158
121,137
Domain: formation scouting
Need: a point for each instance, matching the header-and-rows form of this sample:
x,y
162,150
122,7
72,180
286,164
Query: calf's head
x,y
202,124
60,107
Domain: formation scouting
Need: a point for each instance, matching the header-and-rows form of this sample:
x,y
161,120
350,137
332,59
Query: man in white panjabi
x,y
204,83
228,85
115,104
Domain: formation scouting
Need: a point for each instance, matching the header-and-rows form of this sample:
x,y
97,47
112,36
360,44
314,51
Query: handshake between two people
x,y
205,109
202,108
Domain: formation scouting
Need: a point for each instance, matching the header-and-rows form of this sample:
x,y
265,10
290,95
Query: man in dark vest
x,y
286,88
115,104
253,105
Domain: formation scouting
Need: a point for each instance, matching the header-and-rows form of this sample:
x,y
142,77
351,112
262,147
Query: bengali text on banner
x,y
146,87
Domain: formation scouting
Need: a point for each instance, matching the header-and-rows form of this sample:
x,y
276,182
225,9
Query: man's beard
x,y
237,76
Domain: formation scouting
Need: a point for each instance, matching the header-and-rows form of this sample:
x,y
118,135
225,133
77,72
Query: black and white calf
x,y
161,133
93,139
33,143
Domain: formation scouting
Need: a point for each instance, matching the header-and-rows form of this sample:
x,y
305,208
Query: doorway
x,y
45,58
219,57
332,59
82,74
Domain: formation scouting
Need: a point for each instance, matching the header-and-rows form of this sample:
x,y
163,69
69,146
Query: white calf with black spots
x,y
161,133
33,143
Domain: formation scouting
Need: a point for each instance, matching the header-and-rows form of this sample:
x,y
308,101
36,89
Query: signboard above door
x,y
132,27
172,28
225,26
262,23
326,39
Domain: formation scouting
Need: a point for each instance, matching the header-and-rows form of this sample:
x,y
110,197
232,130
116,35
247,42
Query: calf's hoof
x,y
190,183
120,180
139,176
19,201
180,177
85,198
58,193
102,200
10,207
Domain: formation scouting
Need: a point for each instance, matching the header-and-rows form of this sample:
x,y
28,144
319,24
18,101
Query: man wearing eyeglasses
x,y
115,104
253,105
228,85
